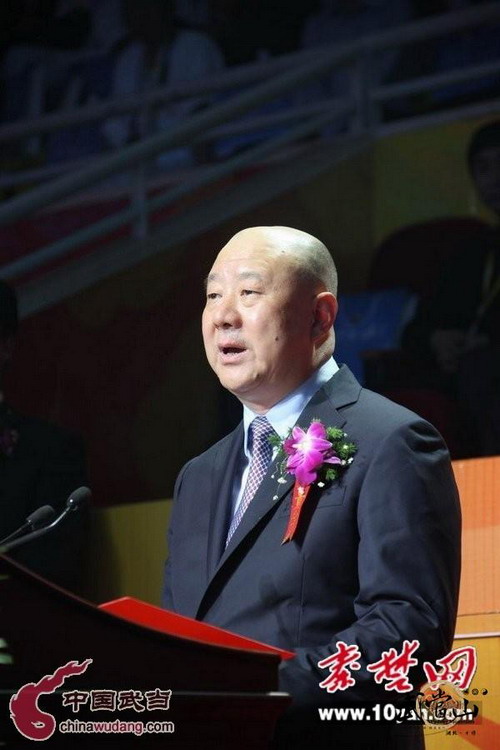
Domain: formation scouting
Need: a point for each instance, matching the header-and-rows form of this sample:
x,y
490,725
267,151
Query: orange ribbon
x,y
300,492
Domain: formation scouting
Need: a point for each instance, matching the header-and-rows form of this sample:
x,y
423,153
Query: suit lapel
x,y
341,390
225,467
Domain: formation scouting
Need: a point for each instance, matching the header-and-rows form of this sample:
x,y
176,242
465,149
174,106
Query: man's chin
x,y
238,389
245,391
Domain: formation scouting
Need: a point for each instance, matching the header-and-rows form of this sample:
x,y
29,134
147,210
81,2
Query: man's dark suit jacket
x,y
46,464
376,559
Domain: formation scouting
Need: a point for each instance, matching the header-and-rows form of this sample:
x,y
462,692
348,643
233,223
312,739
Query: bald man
x,y
374,557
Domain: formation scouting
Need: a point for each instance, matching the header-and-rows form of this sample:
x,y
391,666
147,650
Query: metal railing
x,y
360,112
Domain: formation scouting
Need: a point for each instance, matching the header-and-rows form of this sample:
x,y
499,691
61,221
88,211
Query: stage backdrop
x,y
123,363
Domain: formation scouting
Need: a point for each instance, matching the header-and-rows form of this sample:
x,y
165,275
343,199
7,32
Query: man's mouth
x,y
231,352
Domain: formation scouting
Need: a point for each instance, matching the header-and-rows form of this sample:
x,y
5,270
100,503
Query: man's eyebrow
x,y
210,277
243,275
251,275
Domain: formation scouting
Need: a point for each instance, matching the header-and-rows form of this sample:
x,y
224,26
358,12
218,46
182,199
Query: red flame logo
x,y
29,719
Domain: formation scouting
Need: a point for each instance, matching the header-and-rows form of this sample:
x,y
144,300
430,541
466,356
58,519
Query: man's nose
x,y
226,313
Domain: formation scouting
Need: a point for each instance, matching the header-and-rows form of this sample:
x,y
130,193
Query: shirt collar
x,y
286,412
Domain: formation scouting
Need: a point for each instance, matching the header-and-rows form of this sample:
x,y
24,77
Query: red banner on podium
x,y
185,627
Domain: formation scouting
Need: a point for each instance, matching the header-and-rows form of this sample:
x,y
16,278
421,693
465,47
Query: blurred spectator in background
x,y
40,464
466,48
194,14
157,53
339,22
56,24
41,36
470,47
457,332
107,25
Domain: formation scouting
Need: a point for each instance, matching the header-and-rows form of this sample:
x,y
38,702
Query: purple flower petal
x,y
305,477
332,460
317,430
311,460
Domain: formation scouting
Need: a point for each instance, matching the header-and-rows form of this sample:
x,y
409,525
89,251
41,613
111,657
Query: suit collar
x,y
341,390
284,415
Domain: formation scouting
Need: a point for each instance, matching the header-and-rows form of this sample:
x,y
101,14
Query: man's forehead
x,y
249,243
258,246
278,254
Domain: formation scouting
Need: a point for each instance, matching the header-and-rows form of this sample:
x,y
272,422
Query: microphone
x,y
39,517
74,501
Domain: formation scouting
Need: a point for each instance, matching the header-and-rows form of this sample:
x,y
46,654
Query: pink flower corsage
x,y
314,456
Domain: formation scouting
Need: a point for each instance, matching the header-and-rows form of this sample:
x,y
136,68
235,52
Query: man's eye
x,y
246,292
212,295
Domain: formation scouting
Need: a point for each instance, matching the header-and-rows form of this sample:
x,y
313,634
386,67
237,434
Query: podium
x,y
478,621
222,696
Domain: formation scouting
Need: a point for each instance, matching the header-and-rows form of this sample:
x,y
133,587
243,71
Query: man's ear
x,y
325,312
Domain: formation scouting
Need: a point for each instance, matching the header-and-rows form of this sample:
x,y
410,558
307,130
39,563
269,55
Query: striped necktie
x,y
261,452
